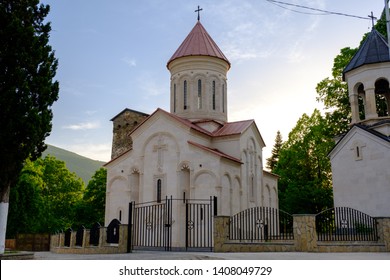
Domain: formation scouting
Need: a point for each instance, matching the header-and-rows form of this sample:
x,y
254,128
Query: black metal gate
x,y
150,224
199,222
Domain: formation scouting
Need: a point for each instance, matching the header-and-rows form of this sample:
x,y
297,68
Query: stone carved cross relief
x,y
160,148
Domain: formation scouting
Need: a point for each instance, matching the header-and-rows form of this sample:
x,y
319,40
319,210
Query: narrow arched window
x,y
199,94
120,215
213,94
185,95
159,190
174,98
223,98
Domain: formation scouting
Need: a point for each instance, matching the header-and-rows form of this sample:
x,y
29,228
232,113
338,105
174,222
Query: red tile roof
x,y
215,151
233,128
198,42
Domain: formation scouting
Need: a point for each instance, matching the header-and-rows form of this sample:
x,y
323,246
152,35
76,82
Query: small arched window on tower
x,y
199,94
158,190
185,95
213,94
223,98
382,97
174,98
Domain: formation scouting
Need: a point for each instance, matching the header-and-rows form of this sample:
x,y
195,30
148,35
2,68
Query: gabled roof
x,y
228,129
364,128
129,110
215,152
198,42
374,49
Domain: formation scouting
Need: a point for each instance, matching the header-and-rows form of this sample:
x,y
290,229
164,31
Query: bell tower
x,y
368,76
199,78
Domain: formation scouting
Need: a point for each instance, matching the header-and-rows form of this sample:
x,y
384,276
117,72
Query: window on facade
x,y
213,93
120,215
185,95
223,98
159,190
174,98
199,94
252,188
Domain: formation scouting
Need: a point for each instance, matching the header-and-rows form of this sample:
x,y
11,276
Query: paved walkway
x,y
142,255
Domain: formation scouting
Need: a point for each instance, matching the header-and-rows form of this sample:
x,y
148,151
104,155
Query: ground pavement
x,y
160,255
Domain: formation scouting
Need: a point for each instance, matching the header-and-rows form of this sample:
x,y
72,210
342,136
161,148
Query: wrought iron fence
x,y
345,224
262,224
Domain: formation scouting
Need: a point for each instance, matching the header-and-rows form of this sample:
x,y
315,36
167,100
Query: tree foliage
x,y
92,207
303,167
44,198
27,90
273,160
48,198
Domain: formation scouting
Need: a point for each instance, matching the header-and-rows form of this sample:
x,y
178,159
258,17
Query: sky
x,y
113,54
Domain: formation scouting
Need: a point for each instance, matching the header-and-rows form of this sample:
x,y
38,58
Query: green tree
x,y
45,198
273,160
333,92
92,207
62,192
26,209
27,91
304,168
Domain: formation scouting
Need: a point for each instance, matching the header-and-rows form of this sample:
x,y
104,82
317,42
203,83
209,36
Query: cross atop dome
x,y
198,11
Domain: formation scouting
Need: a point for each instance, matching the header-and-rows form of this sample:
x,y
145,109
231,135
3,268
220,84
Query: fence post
x,y
220,232
384,232
305,235
215,206
130,229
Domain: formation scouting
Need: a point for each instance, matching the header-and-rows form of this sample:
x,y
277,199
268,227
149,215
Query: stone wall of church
x,y
123,125
360,173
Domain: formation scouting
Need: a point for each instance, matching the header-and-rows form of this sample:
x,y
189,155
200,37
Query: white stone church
x,y
191,151
361,158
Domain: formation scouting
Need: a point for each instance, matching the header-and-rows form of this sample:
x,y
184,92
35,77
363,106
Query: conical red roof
x,y
198,42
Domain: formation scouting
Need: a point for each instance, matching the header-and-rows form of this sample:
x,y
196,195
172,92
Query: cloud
x,y
96,151
83,126
131,62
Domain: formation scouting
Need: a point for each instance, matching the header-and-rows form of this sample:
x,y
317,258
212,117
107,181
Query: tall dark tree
x,y
273,160
27,91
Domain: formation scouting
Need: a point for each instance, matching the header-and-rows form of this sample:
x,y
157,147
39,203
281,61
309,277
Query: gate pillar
x,y
384,231
305,234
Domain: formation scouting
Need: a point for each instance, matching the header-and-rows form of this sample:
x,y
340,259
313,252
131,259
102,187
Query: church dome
x,y
198,78
198,43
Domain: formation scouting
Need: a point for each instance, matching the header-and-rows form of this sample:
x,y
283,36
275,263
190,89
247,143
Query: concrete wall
x,y
57,243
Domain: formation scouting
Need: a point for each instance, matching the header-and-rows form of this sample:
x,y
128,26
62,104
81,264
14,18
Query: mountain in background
x,y
84,167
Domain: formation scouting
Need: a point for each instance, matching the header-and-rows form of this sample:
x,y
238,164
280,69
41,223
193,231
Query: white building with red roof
x,y
191,152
